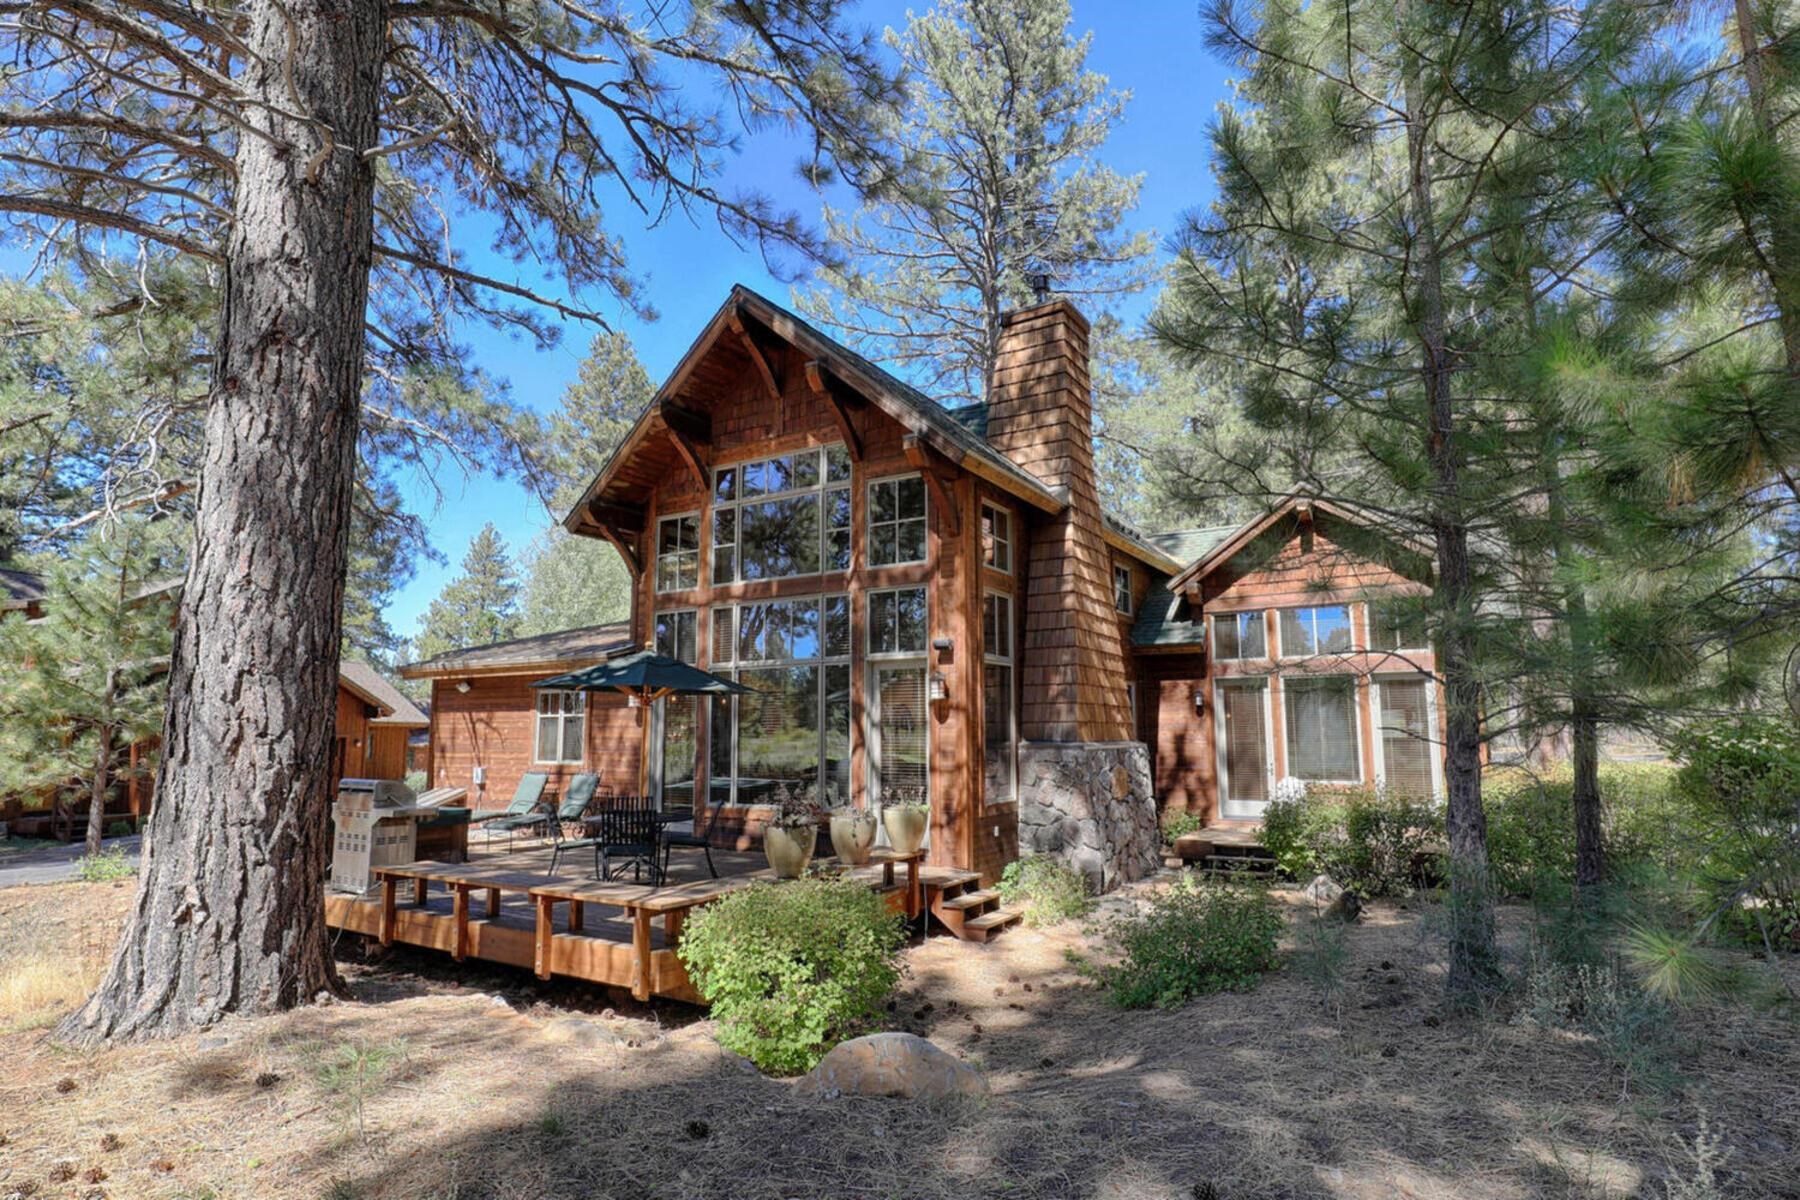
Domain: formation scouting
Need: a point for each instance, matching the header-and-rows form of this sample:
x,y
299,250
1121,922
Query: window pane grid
x,y
897,521
795,731
678,553
561,723
1238,635
777,518
996,538
1309,631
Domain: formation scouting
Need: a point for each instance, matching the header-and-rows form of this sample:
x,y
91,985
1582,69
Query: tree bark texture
x,y
1590,844
1473,964
229,916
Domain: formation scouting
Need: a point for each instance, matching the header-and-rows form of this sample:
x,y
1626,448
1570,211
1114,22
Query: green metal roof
x,y
1163,619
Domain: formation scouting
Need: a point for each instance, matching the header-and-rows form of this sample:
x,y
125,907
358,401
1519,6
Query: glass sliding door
x,y
898,743
1408,742
674,722
1243,737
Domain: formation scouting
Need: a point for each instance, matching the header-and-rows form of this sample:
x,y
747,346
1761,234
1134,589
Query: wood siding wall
x,y
1040,414
494,725
1291,565
748,423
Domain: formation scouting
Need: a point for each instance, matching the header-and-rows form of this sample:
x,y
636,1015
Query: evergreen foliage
x,y
85,682
479,606
998,178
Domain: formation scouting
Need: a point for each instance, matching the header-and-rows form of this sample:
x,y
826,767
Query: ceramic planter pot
x,y
905,827
789,850
853,836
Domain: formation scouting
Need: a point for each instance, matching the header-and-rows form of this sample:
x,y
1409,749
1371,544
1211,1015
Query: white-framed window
x,y
996,537
561,725
999,701
896,698
1322,728
897,622
1322,629
678,552
1409,758
1397,625
1122,588
1239,635
1131,704
793,729
677,634
897,521
775,518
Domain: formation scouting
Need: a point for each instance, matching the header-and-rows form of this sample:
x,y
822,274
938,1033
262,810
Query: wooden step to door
x,y
969,900
980,929
961,905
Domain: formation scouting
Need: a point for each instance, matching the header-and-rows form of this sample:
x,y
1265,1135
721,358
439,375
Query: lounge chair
x,y
521,813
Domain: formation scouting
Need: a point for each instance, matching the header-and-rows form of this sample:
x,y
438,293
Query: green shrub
x,y
1194,939
120,829
1531,823
1050,891
1741,778
415,780
1180,824
792,969
1287,835
1371,841
105,866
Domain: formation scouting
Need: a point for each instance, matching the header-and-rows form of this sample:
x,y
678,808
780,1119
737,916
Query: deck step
x,y
971,899
944,879
979,929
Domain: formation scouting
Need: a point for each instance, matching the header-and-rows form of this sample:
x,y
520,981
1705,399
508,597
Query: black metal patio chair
x,y
628,829
676,837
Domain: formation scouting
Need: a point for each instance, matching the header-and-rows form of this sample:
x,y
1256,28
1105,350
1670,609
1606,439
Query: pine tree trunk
x,y
229,916
1473,969
1590,846
1784,236
96,827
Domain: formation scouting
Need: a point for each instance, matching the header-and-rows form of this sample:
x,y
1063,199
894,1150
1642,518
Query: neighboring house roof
x,y
564,648
19,589
1185,545
1226,548
1161,621
372,686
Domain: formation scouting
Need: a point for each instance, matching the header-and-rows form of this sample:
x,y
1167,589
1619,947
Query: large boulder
x,y
895,1064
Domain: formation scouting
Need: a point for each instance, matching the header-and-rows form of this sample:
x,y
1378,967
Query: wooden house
x,y
931,604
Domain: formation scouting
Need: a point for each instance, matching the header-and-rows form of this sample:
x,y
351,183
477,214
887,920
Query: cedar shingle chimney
x,y
1040,415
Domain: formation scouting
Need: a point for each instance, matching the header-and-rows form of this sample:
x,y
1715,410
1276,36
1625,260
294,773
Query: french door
x,y
674,750
898,744
1242,728
1406,717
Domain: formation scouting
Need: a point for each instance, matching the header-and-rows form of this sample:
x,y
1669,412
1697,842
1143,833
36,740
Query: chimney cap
x,y
1039,283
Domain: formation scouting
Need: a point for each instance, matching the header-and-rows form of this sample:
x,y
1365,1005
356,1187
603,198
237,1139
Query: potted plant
x,y
852,834
905,815
791,834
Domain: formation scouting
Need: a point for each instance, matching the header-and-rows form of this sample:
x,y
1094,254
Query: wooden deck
x,y
509,909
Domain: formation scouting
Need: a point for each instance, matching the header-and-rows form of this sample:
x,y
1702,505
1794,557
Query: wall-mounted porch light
x,y
939,687
1199,700
463,686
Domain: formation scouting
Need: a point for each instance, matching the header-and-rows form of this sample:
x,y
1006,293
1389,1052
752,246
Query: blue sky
x,y
1151,48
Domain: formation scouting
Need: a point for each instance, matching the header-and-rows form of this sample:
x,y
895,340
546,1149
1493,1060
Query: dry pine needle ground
x,y
428,1087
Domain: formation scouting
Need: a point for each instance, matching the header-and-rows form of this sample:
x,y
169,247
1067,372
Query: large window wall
x,y
781,517
795,729
1293,680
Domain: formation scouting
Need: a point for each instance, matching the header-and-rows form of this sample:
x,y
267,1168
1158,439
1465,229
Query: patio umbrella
x,y
647,678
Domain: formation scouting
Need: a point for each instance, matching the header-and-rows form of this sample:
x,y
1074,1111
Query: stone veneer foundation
x,y
1090,804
